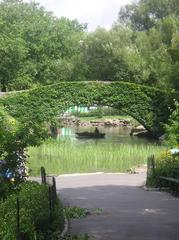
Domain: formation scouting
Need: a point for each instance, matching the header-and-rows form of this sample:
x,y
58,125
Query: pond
x,y
118,135
117,152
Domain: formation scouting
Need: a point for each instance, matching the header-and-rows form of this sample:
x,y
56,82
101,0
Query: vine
x,y
148,105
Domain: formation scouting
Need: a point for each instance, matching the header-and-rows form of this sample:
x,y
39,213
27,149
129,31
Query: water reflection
x,y
118,135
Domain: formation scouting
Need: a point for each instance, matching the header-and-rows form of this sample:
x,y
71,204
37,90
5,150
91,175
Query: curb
x,y
151,188
66,226
61,235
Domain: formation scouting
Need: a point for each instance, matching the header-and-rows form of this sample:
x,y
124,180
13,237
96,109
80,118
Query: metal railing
x,y
50,181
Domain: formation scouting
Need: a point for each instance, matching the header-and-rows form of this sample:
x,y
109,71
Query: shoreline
x,y
96,122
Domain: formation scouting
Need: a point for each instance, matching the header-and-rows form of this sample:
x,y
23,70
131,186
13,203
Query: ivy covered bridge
x,y
149,106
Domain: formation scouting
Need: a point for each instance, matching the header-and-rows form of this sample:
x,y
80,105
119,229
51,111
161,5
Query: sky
x,y
94,12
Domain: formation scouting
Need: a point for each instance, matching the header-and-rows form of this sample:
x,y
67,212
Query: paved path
x,y
129,212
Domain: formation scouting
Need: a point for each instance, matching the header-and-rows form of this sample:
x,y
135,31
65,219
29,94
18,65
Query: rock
x,y
142,134
140,131
162,138
140,128
136,130
67,120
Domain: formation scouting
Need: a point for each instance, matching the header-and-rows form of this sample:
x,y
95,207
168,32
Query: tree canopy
x,y
36,47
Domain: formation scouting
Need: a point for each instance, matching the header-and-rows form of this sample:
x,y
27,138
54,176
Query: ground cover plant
x,y
76,237
75,212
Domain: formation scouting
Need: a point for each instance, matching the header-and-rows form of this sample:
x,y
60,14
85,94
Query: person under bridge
x,y
96,130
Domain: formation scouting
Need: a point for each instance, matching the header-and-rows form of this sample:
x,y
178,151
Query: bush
x,y
34,213
164,166
172,128
6,188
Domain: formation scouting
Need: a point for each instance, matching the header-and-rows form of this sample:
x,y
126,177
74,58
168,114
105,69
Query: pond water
x,y
116,135
117,152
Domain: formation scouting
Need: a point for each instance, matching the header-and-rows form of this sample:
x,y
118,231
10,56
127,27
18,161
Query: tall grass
x,y
68,157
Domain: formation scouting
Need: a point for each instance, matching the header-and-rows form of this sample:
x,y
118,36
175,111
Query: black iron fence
x,y
50,181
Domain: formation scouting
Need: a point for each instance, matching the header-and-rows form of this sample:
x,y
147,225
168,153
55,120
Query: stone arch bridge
x,y
149,106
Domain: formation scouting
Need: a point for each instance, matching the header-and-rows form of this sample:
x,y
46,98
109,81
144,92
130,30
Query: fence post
x,y
52,192
43,175
52,197
150,167
54,189
50,201
153,164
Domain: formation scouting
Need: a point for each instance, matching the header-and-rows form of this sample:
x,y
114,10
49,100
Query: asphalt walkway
x,y
127,211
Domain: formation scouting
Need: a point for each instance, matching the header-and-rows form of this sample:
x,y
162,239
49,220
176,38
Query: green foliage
x,y
107,55
36,47
75,237
56,226
34,212
6,188
10,147
172,128
75,212
99,112
98,211
144,14
15,136
141,47
149,106
165,164
86,158
155,25
24,123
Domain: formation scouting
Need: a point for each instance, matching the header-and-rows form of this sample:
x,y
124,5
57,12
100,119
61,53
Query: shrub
x,y
165,164
34,212
6,188
172,128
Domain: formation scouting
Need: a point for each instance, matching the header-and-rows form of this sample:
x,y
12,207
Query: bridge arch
x,y
148,105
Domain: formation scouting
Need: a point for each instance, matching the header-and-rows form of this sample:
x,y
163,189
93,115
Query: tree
x,y
35,45
154,24
173,50
16,136
144,15
111,55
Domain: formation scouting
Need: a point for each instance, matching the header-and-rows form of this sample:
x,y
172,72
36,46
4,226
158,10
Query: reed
x,y
69,157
